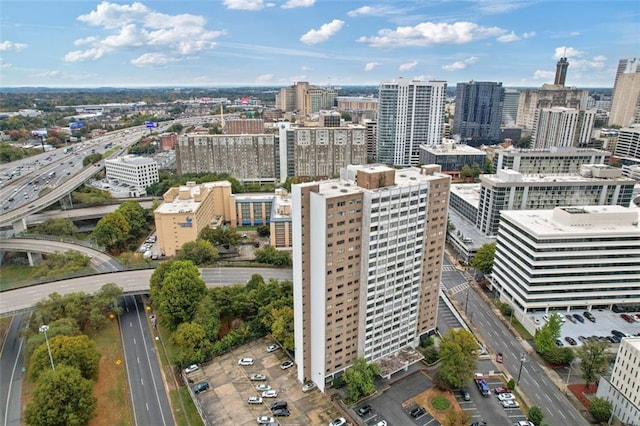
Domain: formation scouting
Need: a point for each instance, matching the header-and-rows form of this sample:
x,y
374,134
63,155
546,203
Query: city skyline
x,y
156,43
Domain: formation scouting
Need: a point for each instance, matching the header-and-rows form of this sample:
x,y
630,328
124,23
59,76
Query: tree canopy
x,y
458,352
483,259
360,378
74,351
601,409
59,227
200,252
594,360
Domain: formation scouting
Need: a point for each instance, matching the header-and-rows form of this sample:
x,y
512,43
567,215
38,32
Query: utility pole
x,y
44,329
522,360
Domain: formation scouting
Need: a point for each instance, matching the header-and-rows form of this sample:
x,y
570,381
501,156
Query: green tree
x,y
466,172
58,227
559,355
176,127
545,338
200,252
223,236
488,166
75,351
360,378
61,398
269,255
182,289
535,415
112,231
91,159
282,326
594,360
263,230
457,418
136,218
524,142
600,409
458,352
190,338
476,170
157,278
483,259
208,316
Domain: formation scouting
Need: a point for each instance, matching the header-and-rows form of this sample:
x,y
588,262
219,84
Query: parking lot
x,y
606,321
225,402
488,408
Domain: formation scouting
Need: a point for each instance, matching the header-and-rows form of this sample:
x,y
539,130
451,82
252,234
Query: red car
x,y
499,357
627,318
500,390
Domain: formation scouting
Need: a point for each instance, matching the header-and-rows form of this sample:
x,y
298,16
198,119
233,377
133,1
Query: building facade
x,y
562,127
367,252
244,126
511,190
625,107
357,103
622,389
452,157
253,209
305,98
568,258
137,172
281,226
189,209
478,112
248,158
550,96
410,114
626,66
628,143
510,107
548,161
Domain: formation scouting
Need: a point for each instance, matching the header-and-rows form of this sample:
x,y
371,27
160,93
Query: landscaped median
x,y
442,405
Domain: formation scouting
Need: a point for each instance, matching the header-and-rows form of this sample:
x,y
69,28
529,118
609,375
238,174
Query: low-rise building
x,y
452,157
548,161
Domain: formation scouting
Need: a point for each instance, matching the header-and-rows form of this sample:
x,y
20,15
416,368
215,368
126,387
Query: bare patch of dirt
x,y
424,400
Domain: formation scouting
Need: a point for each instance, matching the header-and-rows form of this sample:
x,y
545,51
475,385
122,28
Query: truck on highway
x,y
482,385
68,149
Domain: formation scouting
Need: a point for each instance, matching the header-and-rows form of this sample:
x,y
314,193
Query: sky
x,y
204,43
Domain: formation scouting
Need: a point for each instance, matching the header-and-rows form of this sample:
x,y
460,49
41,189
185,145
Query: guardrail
x,y
62,239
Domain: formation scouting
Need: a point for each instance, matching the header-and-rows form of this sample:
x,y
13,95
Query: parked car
x,y
524,423
281,413
273,348
270,394
510,403
263,388
308,386
381,423
579,318
588,315
505,396
559,342
536,320
279,405
245,361
619,334
200,387
499,357
417,412
628,318
500,390
364,410
571,341
254,400
582,339
191,368
340,421
257,377
570,318
464,393
545,317
265,420
286,364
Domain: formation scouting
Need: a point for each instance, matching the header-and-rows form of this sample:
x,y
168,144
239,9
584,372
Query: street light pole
x,y
466,303
522,360
44,329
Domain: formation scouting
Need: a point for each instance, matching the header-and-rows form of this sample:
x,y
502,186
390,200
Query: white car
x,y
524,423
338,422
286,364
510,403
265,420
272,348
308,386
506,396
245,361
263,387
254,400
270,394
191,368
258,377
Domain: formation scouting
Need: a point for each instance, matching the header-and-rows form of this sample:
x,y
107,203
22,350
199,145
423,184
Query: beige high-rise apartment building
x,y
625,107
562,127
305,98
189,209
367,252
550,96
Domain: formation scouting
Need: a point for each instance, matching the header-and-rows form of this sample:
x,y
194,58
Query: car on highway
x,y
273,348
245,361
200,387
480,423
265,420
364,410
505,396
340,421
191,368
263,387
254,400
257,377
286,364
571,341
270,394
308,386
510,403
579,318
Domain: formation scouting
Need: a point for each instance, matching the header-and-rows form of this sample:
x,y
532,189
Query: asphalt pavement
x,y
11,372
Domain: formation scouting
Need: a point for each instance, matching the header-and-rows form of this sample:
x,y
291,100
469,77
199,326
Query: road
x,y
11,362
146,385
130,281
534,382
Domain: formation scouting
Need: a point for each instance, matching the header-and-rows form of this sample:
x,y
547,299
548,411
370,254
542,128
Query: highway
x,y
11,362
534,382
146,384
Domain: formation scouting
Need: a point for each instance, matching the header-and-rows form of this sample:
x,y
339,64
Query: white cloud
x,y
579,60
574,33
323,34
293,78
291,4
370,66
530,34
4,65
379,10
50,73
244,4
508,38
430,33
306,68
153,59
408,66
567,52
154,36
460,65
543,75
9,45
499,6
84,55
264,78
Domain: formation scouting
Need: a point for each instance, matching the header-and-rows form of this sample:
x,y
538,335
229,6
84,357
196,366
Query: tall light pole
x,y
44,329
466,303
522,360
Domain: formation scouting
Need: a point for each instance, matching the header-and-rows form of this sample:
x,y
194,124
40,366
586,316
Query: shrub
x,y
440,403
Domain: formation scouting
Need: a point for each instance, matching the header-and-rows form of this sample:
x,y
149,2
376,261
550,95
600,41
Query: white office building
x,y
132,170
568,258
548,161
622,390
562,127
410,114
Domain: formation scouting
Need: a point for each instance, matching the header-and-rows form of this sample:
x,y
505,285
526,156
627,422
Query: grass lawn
x,y
12,274
442,405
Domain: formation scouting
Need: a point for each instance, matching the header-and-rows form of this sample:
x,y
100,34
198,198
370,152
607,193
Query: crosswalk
x,y
457,289
449,268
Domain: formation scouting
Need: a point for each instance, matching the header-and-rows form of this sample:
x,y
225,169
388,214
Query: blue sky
x,y
83,43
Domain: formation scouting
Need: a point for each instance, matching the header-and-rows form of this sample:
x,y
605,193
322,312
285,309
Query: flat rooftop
x,y
469,192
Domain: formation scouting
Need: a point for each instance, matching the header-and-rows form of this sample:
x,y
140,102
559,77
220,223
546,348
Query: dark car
x,y
571,341
417,412
559,342
618,334
628,318
579,318
201,387
588,315
465,394
281,413
570,318
614,339
279,405
364,410
501,389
